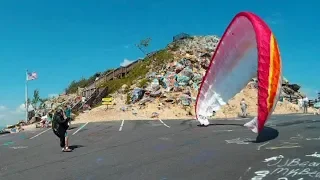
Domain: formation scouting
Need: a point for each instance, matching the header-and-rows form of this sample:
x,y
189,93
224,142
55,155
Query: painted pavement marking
x,y
164,123
40,133
121,126
80,128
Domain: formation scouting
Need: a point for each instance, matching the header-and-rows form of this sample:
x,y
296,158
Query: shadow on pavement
x,y
221,124
267,134
74,127
75,146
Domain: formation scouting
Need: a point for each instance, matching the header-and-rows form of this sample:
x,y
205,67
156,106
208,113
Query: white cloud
x,y
3,108
126,62
11,116
22,109
53,95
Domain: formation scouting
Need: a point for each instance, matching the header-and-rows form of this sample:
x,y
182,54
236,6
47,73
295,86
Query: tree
x,y
36,99
143,45
42,103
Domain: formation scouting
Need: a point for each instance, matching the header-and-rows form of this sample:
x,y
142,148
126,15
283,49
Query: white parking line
x,y
164,123
227,130
40,133
80,128
120,129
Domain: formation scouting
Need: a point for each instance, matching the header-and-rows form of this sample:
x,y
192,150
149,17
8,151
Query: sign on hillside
x,y
107,101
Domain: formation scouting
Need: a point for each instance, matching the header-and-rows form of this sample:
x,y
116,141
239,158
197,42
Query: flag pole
x,y
26,96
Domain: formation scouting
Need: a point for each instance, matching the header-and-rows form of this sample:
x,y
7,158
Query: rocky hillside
x,y
169,89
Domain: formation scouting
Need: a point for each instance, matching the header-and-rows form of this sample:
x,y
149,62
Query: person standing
x,y
49,118
243,106
68,114
305,104
59,127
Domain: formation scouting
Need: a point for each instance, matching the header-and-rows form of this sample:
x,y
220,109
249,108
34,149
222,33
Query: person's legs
x,y
304,109
69,122
66,146
61,138
67,140
62,142
243,111
62,132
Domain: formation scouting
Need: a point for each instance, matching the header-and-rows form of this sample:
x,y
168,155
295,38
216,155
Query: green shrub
x,y
128,99
143,82
83,82
160,58
174,47
139,70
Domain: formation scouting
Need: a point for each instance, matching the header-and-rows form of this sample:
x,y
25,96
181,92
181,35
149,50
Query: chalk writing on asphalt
x,y
284,145
8,143
239,141
314,155
310,139
3,169
164,138
273,158
281,168
298,137
19,147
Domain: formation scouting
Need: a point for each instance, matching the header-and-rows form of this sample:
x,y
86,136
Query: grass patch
x,y
139,71
128,98
161,58
174,46
97,105
143,82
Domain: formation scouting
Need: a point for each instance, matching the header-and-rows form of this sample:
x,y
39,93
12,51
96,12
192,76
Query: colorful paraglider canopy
x,y
246,50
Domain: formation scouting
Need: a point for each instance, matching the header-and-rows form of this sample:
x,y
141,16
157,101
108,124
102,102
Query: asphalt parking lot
x,y
167,149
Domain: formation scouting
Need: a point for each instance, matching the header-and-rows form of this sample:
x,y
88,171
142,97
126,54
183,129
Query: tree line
x,y
83,82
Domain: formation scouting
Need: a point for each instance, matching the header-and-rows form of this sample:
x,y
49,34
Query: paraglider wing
x,y
247,49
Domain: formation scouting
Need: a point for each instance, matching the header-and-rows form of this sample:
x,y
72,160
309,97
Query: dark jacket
x,y
59,122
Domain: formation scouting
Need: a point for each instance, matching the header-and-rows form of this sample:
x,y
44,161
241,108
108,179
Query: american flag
x,y
31,76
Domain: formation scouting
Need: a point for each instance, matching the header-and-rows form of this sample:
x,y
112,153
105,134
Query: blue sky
x,y
57,38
